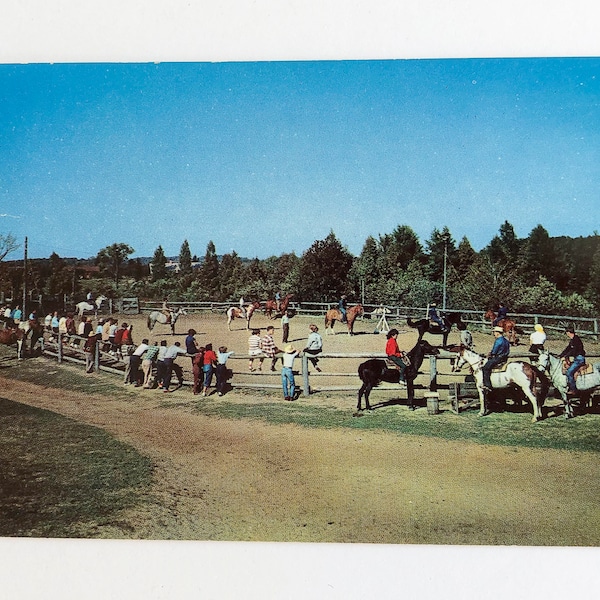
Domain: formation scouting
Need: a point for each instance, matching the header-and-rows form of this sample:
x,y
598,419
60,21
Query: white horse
x,y
242,312
87,307
156,316
585,382
519,374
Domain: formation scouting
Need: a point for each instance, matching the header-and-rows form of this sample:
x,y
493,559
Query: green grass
x,y
59,478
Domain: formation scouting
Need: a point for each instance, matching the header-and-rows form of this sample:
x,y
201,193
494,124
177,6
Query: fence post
x,y
306,384
433,373
60,347
97,356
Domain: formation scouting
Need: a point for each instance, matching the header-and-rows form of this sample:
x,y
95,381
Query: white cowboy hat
x,y
498,329
289,349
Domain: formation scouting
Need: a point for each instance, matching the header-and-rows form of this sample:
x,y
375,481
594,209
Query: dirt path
x,y
218,479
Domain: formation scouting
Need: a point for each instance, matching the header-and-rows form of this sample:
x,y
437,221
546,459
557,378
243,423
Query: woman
x,y
394,353
254,350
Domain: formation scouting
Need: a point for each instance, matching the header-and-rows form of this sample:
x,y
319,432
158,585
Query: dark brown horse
x,y
424,326
334,314
375,370
273,311
508,325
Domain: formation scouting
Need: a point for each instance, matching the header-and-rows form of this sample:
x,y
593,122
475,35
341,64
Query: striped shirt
x,y
267,344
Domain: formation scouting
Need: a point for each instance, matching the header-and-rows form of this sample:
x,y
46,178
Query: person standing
x,y
170,356
254,350
285,327
208,367
89,349
197,364
497,356
314,346
576,352
222,356
287,373
267,345
393,352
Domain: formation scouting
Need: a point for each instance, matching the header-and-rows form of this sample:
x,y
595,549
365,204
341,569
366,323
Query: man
x,y
170,355
132,371
501,314
343,306
574,349
498,355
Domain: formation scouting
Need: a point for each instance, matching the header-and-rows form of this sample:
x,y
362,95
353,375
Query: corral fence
x,y
399,314
309,381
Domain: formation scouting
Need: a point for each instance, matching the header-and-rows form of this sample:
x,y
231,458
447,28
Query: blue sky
x,y
267,157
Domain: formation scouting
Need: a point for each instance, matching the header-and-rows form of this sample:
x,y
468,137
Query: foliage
x,y
8,244
158,264
111,259
185,259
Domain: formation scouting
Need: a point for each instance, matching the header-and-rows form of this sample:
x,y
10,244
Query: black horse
x,y
373,371
424,326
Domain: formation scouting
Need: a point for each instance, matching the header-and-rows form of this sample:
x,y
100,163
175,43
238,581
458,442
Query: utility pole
x,y
24,307
445,265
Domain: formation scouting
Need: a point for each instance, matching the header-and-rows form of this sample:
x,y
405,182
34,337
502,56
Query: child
x,y
287,373
222,356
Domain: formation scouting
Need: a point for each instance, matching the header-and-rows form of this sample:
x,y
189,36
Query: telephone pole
x,y
24,307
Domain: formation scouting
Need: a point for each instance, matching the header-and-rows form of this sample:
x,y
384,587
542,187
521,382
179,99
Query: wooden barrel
x,y
433,403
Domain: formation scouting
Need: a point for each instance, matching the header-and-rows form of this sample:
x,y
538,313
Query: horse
x,y
375,370
235,312
156,316
84,306
585,381
271,309
335,314
424,326
508,325
20,334
516,374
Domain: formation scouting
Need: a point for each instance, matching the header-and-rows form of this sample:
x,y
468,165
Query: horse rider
x,y
501,314
432,313
574,349
343,306
394,354
497,356
167,310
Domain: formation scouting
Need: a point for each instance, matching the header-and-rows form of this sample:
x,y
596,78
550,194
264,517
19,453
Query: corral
x,y
248,466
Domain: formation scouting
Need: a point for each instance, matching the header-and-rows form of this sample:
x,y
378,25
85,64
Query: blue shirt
x,y
501,347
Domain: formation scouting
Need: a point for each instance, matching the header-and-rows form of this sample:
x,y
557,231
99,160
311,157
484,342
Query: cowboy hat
x,y
289,349
498,329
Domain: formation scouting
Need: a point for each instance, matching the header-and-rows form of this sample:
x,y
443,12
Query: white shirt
x,y
288,359
140,349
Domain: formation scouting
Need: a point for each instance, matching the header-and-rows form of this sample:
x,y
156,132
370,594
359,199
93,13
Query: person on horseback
x,y
167,310
574,349
498,355
343,306
432,313
394,353
500,315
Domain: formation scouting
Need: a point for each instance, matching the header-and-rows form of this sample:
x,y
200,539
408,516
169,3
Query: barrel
x,y
433,403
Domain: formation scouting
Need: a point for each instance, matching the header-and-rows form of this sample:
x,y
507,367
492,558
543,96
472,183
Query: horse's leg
x,y
361,391
410,393
368,388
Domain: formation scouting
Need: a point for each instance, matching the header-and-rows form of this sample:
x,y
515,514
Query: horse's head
x,y
428,348
359,309
543,361
490,314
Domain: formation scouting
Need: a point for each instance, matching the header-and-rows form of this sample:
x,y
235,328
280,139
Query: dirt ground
x,y
219,479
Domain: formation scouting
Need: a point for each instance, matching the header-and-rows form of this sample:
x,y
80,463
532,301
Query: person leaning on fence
x,y
208,367
132,373
537,339
221,371
254,350
574,355
287,373
170,355
161,367
497,356
197,373
89,349
314,346
148,363
393,352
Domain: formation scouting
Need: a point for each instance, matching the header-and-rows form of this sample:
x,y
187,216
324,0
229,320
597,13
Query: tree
x,y
185,259
504,247
593,289
538,256
60,279
8,244
438,244
208,274
230,276
324,270
158,264
111,260
399,248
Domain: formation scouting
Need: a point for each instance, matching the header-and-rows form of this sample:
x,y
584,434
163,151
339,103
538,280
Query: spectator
x,y
170,356
197,364
132,373
54,323
48,322
89,349
161,368
148,363
208,366
112,332
267,345
287,373
537,339
222,356
314,346
254,350
285,327
190,344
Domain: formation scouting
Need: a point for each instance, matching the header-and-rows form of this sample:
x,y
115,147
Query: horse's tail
x,y
149,323
544,385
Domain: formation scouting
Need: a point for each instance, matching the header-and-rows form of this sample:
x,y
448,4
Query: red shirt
x,y
391,348
209,357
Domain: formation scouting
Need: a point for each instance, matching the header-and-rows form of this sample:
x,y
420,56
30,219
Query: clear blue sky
x,y
267,157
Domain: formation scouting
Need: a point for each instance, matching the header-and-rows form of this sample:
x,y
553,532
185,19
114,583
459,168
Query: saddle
x,y
584,369
392,365
500,368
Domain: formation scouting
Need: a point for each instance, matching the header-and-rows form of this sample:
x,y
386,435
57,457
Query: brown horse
x,y
508,325
334,314
272,310
26,330
239,313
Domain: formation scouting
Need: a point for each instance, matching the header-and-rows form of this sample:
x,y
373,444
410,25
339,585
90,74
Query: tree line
x,y
538,273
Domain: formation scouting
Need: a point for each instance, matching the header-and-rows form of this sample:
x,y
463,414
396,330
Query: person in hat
x,y
287,373
432,313
575,350
537,339
393,352
343,307
497,356
89,349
